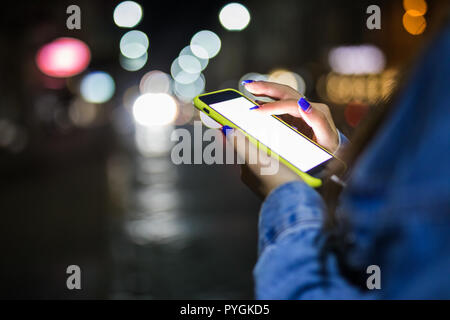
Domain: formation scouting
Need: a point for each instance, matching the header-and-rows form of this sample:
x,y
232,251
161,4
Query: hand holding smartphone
x,y
302,155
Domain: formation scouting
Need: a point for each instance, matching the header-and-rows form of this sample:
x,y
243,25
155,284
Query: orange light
x,y
414,24
415,8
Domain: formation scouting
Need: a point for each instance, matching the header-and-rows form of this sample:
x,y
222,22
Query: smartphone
x,y
304,156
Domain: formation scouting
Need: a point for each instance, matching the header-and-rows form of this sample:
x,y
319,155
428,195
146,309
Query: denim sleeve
x,y
293,261
343,141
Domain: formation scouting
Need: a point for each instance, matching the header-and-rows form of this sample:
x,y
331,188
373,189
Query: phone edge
x,y
199,104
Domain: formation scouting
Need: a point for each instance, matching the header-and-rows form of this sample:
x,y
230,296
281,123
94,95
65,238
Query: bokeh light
x,y
8,132
255,76
97,87
234,17
180,75
133,64
188,52
415,25
134,44
354,112
208,121
12,136
415,7
82,113
129,97
63,57
185,113
288,78
153,140
369,89
190,64
155,82
205,44
186,92
53,83
155,109
389,81
127,14
361,59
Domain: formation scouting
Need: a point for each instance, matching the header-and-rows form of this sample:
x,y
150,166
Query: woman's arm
x,y
294,262
293,259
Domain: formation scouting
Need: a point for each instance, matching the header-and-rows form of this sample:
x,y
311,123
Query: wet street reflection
x,y
189,231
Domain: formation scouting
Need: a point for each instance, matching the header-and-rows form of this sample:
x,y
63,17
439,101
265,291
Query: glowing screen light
x,y
155,109
63,57
133,64
362,59
97,87
134,44
205,44
127,14
234,17
155,82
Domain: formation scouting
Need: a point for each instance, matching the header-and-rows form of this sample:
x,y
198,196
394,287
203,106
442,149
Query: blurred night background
x,y
86,117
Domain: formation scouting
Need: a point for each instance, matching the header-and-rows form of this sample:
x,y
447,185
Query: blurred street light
x,y
234,17
127,14
63,57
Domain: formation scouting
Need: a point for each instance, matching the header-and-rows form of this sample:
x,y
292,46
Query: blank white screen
x,y
275,135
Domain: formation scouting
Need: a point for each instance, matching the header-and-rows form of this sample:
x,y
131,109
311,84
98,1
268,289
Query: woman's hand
x,y
318,117
255,175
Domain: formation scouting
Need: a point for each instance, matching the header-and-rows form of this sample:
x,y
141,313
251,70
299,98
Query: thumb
x,y
322,126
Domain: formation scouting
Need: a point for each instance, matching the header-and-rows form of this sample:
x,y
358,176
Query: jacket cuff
x,y
288,206
343,141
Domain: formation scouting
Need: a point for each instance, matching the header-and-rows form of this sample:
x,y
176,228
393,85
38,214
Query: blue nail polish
x,y
244,82
304,104
226,130
253,108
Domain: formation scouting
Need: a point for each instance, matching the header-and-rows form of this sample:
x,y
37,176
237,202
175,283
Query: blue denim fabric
x,y
343,141
394,212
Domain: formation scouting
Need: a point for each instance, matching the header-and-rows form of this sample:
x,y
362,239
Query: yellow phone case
x,y
310,180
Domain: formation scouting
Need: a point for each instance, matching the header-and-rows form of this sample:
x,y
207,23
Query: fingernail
x,y
304,104
226,130
244,82
253,108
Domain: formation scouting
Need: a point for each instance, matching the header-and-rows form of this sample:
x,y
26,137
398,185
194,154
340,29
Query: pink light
x,y
63,57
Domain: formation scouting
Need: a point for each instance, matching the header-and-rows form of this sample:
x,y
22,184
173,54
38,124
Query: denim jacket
x,y
395,208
